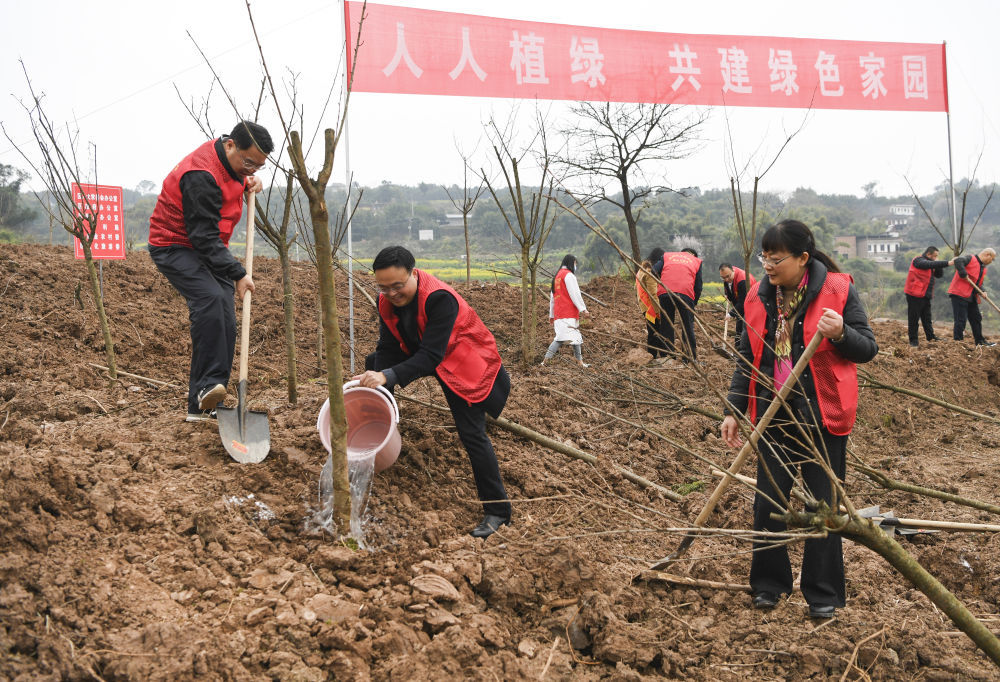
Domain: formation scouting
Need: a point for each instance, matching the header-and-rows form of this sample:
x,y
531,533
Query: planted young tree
x,y
58,166
961,234
746,226
465,203
529,215
620,148
314,189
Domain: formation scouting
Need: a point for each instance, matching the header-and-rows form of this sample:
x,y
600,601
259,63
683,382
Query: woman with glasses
x,y
565,308
803,294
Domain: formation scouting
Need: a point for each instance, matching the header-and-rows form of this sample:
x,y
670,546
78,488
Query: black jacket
x,y
938,266
960,264
427,351
857,346
737,297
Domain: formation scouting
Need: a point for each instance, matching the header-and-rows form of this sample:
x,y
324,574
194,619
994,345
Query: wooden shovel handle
x,y
983,294
245,320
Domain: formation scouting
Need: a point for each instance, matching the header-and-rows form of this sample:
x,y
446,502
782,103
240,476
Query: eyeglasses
x,y
250,165
766,261
394,288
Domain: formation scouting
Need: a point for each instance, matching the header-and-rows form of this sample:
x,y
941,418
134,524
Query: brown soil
x,y
133,548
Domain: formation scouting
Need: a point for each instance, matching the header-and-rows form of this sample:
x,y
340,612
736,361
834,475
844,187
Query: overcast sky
x,y
114,66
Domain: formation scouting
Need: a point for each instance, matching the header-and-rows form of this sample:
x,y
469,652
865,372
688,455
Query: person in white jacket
x,y
565,308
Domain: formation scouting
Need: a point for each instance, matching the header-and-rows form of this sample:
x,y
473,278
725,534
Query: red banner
x,y
109,240
414,51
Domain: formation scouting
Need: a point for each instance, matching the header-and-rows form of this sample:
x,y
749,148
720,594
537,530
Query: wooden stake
x,y
693,582
154,382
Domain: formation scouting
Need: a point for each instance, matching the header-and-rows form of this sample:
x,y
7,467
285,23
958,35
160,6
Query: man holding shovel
x,y
803,295
969,270
426,328
198,208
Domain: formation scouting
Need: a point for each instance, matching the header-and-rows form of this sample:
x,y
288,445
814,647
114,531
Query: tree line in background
x,y
391,213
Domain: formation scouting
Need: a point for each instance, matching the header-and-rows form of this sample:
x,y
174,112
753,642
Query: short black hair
x,y
688,249
392,257
247,134
725,265
928,250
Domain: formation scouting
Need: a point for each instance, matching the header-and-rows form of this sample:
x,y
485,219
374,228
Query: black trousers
x,y
823,559
665,324
685,308
963,309
211,311
918,310
470,422
655,344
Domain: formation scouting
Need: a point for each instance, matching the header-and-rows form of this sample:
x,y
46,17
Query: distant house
x,y
846,246
882,249
900,219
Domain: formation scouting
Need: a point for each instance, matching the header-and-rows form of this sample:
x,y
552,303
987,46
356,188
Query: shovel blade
x,y
249,442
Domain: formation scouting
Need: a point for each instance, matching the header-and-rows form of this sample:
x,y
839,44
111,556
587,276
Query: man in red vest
x,y
735,282
426,328
969,270
198,208
919,290
680,274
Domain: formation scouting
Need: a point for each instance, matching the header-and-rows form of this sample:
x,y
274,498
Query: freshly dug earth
x,y
133,548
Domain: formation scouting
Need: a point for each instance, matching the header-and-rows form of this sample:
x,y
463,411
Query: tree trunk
x,y
533,304
288,303
334,366
319,329
468,261
95,289
527,348
630,221
867,534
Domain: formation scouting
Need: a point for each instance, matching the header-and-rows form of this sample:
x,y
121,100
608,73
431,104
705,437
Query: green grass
x,y
688,488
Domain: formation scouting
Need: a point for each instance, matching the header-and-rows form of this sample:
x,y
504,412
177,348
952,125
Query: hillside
x,y
134,548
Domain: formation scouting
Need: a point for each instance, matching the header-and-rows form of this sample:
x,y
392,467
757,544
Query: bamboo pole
x,y
959,526
154,382
983,294
692,582
562,448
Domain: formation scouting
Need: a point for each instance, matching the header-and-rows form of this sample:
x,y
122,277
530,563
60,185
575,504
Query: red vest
x,y
471,361
835,378
739,274
961,287
166,225
645,300
679,272
562,305
917,281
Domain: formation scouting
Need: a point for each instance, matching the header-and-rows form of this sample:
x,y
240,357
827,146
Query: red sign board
x,y
109,240
414,51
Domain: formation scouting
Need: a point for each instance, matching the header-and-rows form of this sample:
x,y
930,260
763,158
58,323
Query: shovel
x,y
720,349
245,434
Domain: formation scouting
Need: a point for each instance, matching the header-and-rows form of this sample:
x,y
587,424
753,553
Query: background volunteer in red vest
x,y
565,308
735,283
198,208
647,294
426,328
965,299
680,274
919,290
803,294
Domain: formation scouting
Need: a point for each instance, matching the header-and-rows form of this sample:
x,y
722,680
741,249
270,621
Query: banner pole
x,y
347,203
951,173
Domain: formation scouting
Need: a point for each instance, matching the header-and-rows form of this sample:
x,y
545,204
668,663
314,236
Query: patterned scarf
x,y
788,307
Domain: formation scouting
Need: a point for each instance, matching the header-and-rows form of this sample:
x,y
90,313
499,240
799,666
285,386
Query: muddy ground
x,y
133,548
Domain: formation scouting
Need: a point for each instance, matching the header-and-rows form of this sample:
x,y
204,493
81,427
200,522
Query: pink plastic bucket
x,y
372,416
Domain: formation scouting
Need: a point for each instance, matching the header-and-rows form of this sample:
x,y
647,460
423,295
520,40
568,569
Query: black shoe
x,y
914,344
987,344
765,600
934,339
210,396
822,611
489,525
